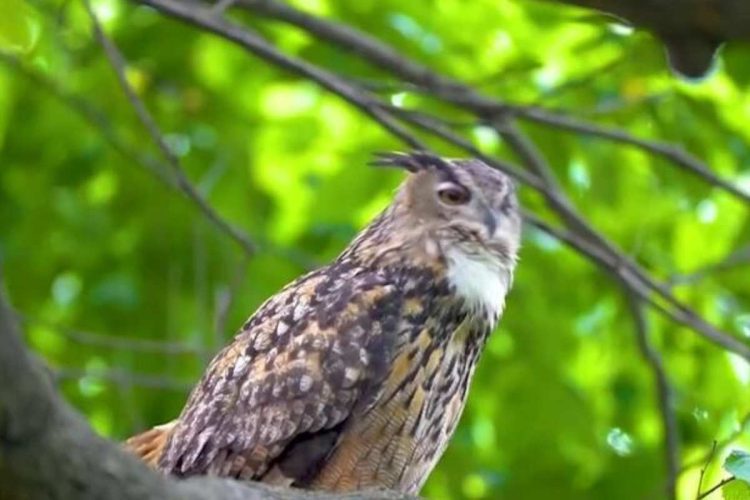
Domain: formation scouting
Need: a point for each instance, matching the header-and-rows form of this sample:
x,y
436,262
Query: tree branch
x,y
118,65
670,152
122,378
456,93
381,55
664,394
715,487
739,257
619,269
116,342
159,169
208,20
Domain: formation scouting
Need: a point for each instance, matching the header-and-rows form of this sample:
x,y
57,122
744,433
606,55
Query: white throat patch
x,y
480,279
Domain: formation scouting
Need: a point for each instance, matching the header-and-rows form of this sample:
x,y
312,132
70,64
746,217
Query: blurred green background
x,y
126,289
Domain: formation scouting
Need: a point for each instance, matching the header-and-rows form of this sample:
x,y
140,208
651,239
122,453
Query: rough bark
x,y
47,451
692,30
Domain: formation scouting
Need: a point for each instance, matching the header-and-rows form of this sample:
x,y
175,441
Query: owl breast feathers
x,y
354,376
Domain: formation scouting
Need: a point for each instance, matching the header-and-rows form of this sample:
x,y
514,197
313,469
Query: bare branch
x,y
92,116
352,40
104,341
159,169
437,128
122,377
225,299
204,18
640,285
381,55
675,154
716,487
706,462
739,257
487,109
118,64
663,391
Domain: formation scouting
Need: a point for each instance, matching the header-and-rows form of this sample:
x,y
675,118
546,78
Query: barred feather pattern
x,y
355,375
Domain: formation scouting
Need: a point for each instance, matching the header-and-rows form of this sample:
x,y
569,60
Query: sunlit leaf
x,y
736,490
738,464
19,27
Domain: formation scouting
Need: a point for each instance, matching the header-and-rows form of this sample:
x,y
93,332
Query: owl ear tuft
x,y
413,161
397,160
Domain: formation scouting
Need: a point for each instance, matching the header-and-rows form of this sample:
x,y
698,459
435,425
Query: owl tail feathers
x,y
148,446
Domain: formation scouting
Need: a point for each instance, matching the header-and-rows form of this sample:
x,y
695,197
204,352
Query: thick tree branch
x,y
692,30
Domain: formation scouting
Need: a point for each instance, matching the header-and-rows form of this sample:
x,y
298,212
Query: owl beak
x,y
490,222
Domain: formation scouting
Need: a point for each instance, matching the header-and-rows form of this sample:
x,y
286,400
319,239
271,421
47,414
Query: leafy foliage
x,y
736,490
126,289
738,464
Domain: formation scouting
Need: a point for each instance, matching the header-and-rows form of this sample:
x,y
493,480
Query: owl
x,y
354,376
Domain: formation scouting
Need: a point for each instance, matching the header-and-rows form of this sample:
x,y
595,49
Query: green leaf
x,y
738,464
736,490
19,27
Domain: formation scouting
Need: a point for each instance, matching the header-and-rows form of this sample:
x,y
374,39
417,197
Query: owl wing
x,y
280,394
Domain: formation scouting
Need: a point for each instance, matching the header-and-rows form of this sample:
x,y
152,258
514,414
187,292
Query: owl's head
x,y
462,214
464,205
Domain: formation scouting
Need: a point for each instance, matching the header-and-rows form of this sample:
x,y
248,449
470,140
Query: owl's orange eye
x,y
454,195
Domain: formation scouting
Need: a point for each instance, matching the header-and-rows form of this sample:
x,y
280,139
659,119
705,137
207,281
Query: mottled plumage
x,y
354,376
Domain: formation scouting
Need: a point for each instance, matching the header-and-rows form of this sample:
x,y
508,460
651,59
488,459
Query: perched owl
x,y
354,376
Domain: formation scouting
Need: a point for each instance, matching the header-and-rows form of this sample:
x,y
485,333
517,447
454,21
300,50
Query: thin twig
x,y
100,340
118,65
225,299
93,116
121,377
717,486
437,128
204,18
673,153
554,196
639,287
664,394
159,169
739,257
705,466
720,445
